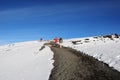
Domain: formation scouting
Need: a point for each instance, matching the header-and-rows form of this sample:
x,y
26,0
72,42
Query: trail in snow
x,y
72,65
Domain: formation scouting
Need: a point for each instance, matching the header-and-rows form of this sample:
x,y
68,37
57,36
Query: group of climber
x,y
56,42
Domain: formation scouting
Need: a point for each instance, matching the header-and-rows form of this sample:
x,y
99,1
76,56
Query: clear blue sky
x,y
24,20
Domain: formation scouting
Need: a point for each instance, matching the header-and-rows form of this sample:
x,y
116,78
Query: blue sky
x,y
27,20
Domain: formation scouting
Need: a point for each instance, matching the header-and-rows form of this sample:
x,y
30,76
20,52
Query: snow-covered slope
x,y
103,48
24,61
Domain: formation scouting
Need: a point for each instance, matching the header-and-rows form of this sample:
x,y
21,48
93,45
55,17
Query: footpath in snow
x,y
74,65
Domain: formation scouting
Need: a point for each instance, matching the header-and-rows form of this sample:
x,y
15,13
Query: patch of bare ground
x,y
73,65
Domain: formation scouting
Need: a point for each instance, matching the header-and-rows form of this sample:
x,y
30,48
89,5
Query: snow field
x,y
24,61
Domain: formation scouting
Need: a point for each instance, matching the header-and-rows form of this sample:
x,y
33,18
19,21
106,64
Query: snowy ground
x,y
24,61
104,49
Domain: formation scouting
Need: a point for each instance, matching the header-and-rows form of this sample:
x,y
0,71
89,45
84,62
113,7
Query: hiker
x,y
56,40
60,42
41,39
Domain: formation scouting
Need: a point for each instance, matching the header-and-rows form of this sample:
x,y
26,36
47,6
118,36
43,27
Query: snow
x,y
24,61
103,49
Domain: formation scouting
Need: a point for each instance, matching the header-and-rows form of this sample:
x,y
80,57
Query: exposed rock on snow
x,y
104,48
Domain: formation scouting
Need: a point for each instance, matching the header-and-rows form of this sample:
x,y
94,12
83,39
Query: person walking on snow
x,y
60,42
56,40
41,39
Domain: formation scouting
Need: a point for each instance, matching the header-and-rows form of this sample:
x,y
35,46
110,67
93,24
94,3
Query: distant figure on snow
x,y
60,42
41,39
56,40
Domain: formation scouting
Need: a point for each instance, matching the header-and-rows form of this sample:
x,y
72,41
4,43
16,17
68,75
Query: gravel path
x,y
72,65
